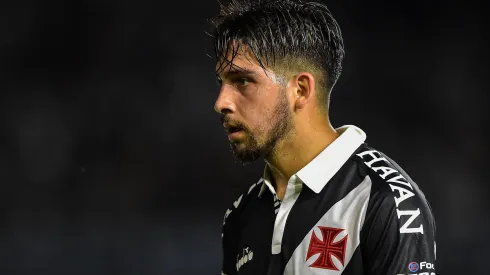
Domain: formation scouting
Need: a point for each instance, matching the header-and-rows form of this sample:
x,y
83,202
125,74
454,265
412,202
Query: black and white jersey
x,y
351,210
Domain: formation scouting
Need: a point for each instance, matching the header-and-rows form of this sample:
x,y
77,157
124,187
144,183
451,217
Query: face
x,y
254,108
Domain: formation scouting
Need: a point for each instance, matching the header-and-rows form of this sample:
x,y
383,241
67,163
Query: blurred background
x,y
112,160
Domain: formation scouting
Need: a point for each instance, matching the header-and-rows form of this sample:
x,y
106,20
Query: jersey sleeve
x,y
399,239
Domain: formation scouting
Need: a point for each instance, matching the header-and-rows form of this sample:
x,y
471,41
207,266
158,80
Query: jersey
x,y
367,216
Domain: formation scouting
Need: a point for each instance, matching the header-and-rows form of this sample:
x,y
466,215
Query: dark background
x,y
112,160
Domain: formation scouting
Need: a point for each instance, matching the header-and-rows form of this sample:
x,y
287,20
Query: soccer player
x,y
327,203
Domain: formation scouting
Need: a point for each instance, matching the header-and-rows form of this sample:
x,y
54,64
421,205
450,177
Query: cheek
x,y
250,113
261,121
257,112
249,105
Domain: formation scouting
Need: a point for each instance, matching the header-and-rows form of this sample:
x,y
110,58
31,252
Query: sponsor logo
x,y
399,186
247,256
327,248
413,267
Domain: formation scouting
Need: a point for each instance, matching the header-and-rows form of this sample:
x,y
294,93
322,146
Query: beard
x,y
279,125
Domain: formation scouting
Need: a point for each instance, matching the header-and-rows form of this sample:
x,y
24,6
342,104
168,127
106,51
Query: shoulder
x,y
232,226
394,195
233,212
388,179
398,221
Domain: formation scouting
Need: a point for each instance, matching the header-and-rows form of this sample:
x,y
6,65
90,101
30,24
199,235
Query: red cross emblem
x,y
327,248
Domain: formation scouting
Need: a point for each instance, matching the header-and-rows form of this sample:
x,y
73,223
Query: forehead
x,y
239,58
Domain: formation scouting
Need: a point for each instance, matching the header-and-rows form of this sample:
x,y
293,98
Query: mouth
x,y
230,129
234,133
233,129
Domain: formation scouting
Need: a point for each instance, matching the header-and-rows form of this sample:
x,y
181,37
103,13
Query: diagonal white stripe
x,y
347,214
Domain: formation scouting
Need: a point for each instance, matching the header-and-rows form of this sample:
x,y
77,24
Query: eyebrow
x,y
237,71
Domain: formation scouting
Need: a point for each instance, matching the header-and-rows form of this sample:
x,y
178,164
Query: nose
x,y
224,103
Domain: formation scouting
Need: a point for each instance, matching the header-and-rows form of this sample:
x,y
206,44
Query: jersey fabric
x,y
351,210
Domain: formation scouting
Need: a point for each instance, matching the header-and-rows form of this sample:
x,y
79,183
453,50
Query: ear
x,y
304,89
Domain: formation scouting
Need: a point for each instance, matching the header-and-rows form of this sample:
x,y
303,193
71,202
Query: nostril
x,y
224,110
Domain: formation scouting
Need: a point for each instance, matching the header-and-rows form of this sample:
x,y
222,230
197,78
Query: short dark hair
x,y
288,32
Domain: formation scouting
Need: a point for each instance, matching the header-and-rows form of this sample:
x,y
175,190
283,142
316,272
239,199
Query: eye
x,y
243,81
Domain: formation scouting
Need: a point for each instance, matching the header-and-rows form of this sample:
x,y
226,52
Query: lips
x,y
231,128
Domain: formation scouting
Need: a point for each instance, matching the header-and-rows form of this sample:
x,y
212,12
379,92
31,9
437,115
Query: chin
x,y
245,156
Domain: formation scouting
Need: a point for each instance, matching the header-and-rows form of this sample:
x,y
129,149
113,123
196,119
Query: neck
x,y
297,150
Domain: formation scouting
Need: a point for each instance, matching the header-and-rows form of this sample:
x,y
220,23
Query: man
x,y
327,203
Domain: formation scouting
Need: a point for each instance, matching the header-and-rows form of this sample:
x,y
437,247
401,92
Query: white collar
x,y
323,167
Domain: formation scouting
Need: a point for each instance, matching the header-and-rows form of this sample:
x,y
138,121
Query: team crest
x,y
327,248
